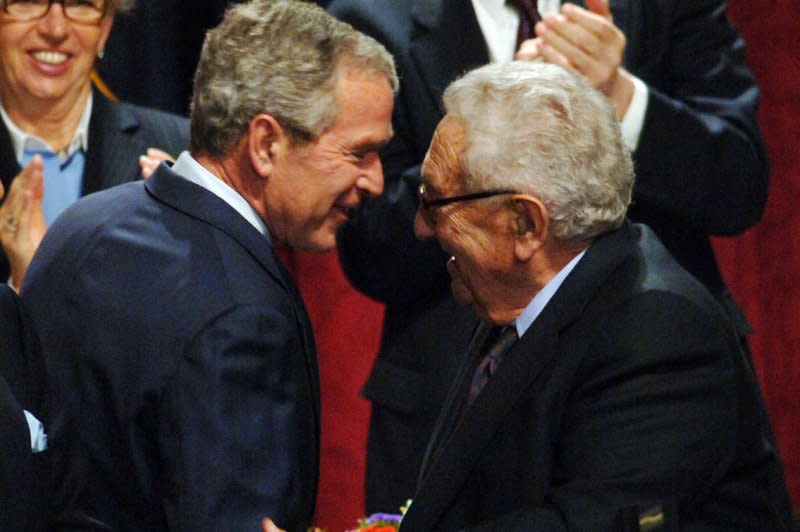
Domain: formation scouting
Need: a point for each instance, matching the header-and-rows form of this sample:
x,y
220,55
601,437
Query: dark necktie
x,y
494,356
528,17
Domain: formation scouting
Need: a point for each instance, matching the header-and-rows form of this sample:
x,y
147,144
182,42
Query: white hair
x,y
538,128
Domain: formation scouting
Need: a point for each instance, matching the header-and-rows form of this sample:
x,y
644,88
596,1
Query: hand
x,y
268,526
150,160
585,41
22,224
529,50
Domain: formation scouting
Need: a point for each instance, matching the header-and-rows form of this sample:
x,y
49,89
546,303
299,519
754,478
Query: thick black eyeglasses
x,y
455,199
85,11
426,204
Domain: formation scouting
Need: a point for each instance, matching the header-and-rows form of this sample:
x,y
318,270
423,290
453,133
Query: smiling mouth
x,y
347,212
51,58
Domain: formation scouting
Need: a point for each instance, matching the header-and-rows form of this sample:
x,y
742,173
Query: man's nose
x,y
371,179
423,229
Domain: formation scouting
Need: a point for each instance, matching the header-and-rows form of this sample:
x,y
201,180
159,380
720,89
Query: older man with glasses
x,y
604,389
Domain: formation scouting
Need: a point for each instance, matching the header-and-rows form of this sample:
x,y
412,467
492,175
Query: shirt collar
x,y
187,167
540,300
22,141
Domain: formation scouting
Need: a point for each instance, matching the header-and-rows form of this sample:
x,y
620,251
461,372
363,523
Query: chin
x,y
321,242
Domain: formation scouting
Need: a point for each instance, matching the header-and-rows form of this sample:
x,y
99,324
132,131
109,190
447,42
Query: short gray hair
x,y
540,129
282,58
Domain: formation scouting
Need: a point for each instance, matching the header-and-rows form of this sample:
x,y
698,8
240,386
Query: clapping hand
x,y
268,526
22,224
150,160
585,41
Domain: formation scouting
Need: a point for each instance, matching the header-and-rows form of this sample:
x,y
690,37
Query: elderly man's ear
x,y
266,139
530,225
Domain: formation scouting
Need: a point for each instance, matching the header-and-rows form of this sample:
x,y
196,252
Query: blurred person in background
x,y
59,134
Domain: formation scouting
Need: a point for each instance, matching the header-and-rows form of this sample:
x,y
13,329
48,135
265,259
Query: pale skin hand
x,y
268,526
150,161
585,41
23,204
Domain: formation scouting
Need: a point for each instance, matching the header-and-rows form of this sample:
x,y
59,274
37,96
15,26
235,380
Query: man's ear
x,y
265,140
530,226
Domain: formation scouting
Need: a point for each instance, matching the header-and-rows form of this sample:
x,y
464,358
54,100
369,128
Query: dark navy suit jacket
x,y
21,376
118,134
628,392
700,165
185,356
25,495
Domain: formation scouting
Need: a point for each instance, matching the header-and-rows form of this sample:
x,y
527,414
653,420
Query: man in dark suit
x,y
160,39
700,165
177,340
621,398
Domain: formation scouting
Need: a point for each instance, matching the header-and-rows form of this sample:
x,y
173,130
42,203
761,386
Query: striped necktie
x,y
494,356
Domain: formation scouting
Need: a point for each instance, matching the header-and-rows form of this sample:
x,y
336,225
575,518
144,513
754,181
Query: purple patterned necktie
x,y
528,17
494,355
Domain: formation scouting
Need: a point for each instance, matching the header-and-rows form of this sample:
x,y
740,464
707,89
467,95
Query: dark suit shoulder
x,y
161,128
387,21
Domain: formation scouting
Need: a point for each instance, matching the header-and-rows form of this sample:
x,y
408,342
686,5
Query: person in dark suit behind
x,y
160,39
178,342
690,122
16,472
63,138
21,380
621,398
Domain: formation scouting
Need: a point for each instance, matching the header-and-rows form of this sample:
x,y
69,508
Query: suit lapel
x,y
451,410
455,456
446,41
112,157
198,203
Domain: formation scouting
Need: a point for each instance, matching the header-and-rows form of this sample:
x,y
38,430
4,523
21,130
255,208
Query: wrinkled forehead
x,y
442,168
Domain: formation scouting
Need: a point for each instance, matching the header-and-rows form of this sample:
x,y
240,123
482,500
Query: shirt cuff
x,y
633,120
38,436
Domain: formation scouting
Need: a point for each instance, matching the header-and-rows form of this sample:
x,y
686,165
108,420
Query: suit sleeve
x,y
239,431
652,420
700,157
15,467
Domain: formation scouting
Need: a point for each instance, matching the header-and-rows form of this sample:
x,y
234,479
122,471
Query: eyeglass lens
x,y
77,10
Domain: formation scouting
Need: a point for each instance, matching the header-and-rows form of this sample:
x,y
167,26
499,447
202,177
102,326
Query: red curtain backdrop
x,y
761,267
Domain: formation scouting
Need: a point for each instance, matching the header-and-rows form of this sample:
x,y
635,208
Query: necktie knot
x,y
495,352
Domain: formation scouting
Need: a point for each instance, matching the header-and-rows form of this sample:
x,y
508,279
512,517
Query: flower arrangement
x,y
378,523
381,522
